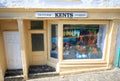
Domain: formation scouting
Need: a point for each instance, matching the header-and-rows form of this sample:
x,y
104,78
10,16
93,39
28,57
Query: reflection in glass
x,y
54,41
36,25
37,42
83,41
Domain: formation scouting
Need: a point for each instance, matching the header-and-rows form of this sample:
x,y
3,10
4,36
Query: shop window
x,y
54,41
36,25
83,41
37,42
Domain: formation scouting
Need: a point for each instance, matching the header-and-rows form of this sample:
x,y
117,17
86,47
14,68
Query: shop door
x,y
39,54
38,42
12,47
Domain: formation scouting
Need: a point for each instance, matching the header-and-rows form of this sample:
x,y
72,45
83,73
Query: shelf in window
x,y
79,36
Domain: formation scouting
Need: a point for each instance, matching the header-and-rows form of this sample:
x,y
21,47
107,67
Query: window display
x,y
83,41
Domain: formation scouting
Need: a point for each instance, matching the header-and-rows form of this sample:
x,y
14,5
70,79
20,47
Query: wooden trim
x,y
23,48
82,70
3,55
60,42
84,21
49,37
84,65
27,27
89,22
2,62
31,16
59,9
84,61
105,53
10,30
37,31
112,45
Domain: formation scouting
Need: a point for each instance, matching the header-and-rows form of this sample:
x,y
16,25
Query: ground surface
x,y
109,75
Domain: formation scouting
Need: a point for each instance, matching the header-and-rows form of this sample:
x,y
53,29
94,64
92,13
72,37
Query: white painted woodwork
x,y
13,52
24,51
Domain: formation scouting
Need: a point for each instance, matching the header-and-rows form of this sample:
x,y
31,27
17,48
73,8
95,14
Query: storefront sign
x,y
61,14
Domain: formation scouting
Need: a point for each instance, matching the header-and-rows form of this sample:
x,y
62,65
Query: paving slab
x,y
107,75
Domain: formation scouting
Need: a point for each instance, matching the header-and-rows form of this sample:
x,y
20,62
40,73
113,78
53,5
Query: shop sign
x,y
61,14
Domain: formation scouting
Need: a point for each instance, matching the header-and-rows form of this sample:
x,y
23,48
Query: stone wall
x,y
59,4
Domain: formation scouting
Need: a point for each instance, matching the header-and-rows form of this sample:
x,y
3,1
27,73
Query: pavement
x,y
107,75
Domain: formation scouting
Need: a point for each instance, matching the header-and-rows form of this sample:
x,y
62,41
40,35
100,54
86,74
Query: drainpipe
x,y
118,58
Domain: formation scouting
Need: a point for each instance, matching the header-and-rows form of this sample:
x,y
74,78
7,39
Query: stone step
x,y
14,78
40,71
14,75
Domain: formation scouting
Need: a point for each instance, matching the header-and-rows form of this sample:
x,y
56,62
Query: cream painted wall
x,y
8,25
2,58
5,25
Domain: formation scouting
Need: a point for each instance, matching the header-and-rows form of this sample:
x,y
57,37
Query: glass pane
x,y
83,41
36,24
37,42
54,41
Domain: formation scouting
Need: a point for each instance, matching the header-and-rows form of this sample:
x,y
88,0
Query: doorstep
x,y
14,75
41,71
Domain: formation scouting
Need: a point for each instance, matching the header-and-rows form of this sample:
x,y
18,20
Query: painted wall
x,y
59,3
2,58
9,25
5,25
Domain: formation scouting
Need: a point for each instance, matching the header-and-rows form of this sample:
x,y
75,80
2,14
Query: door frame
x,y
53,61
49,42
34,56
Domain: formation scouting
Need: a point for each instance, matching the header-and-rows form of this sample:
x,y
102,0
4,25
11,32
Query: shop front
x,y
70,41
78,44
